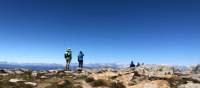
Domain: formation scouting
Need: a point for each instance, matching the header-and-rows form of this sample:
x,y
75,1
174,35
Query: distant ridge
x,y
49,66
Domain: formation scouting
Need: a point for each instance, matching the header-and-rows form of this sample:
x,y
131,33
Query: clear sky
x,y
107,31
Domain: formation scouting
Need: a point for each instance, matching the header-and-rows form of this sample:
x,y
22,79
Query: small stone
x,y
34,74
61,83
43,77
68,72
31,83
24,70
53,71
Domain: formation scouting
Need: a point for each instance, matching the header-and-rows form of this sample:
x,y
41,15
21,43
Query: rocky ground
x,y
139,77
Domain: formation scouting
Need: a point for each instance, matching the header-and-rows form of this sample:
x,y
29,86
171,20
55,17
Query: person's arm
x,y
71,55
65,55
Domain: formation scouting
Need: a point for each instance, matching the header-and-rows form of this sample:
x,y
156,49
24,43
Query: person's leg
x,y
68,62
66,65
81,64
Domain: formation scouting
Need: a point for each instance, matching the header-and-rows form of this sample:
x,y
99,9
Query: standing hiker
x,y
80,59
68,57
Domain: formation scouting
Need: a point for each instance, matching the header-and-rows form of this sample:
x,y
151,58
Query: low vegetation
x,y
117,85
89,79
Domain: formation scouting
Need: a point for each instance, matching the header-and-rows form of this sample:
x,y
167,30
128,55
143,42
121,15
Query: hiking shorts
x,y
68,61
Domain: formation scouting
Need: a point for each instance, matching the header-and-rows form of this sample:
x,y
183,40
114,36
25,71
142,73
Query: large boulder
x,y
15,80
189,85
2,71
8,71
197,69
34,74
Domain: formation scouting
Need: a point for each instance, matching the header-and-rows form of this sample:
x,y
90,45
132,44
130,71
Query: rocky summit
x,y
144,76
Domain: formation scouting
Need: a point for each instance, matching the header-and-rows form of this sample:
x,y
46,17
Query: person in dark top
x,y
80,59
138,64
132,64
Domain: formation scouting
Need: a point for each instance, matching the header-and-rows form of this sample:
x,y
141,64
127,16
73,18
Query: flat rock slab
x,y
30,83
15,80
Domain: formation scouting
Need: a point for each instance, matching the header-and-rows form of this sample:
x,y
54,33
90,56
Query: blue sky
x,y
107,31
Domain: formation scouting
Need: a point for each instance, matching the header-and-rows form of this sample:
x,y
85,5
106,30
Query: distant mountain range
x,y
49,66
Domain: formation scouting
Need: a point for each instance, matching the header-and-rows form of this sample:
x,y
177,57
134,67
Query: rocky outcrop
x,y
8,71
190,85
152,84
197,69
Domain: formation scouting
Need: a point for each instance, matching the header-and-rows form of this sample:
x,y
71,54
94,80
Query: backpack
x,y
80,57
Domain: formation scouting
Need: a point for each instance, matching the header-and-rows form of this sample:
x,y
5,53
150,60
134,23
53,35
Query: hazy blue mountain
x,y
48,66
